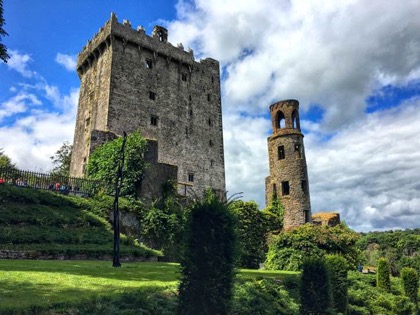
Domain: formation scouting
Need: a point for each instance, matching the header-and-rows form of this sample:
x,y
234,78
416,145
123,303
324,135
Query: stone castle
x,y
131,81
288,180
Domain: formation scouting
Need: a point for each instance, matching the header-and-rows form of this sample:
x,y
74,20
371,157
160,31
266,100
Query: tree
x,y
207,265
410,280
61,159
103,163
337,267
3,50
287,250
5,161
383,280
315,289
253,226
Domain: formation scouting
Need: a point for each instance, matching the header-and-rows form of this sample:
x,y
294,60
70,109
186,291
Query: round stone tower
x,y
288,180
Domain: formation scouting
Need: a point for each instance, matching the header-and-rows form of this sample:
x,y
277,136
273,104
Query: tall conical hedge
x,y
382,277
208,261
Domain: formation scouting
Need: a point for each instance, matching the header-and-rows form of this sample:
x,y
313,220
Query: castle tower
x,y
131,81
288,178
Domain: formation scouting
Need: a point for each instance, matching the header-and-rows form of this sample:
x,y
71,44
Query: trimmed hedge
x,y
383,278
410,280
337,266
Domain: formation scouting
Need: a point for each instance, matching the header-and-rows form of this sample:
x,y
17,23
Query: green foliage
x,y
103,163
266,296
208,262
5,161
410,280
337,267
382,277
287,249
3,49
315,289
366,299
252,228
61,160
162,227
401,248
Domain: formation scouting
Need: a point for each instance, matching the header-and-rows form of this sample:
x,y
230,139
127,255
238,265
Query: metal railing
x,y
53,182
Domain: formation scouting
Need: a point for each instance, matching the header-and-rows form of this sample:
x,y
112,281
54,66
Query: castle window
x,y
191,177
280,120
154,120
184,76
212,79
208,97
87,122
190,98
191,112
211,143
211,163
295,120
210,122
274,191
149,63
280,152
298,149
285,189
152,95
304,185
306,216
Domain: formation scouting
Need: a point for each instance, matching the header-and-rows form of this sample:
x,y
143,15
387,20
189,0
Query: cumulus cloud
x,y
19,62
67,61
35,130
330,53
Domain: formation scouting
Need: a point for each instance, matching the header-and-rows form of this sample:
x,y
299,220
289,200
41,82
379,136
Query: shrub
x,y
287,250
207,265
383,279
337,267
315,290
252,227
410,280
265,296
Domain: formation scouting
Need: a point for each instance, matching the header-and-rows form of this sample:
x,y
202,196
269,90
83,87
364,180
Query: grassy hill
x,y
43,224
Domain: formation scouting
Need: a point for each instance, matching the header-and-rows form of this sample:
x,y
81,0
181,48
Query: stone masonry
x,y
131,81
288,178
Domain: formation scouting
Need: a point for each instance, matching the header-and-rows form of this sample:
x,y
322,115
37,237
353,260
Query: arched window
x,y
295,120
280,121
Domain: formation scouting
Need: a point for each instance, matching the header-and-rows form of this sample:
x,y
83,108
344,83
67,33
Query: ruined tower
x,y
131,81
288,178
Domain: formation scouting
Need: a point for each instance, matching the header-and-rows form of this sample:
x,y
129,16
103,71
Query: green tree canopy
x,y
61,159
3,49
5,161
103,163
288,249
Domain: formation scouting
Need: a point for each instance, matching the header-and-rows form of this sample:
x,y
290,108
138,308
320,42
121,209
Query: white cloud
x,y
332,53
67,61
19,62
31,140
17,104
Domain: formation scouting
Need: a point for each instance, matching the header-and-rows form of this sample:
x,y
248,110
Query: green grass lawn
x,y
32,284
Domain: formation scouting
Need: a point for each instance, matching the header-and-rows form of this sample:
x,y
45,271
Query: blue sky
x,y
353,65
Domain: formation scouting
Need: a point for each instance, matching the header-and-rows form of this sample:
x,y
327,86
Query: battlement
x,y
157,43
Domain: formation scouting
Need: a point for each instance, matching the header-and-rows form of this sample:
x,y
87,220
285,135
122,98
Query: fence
x,y
62,184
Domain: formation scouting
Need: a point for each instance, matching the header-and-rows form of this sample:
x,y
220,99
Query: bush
x,y
315,290
383,279
252,227
287,250
208,263
410,280
337,267
265,296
